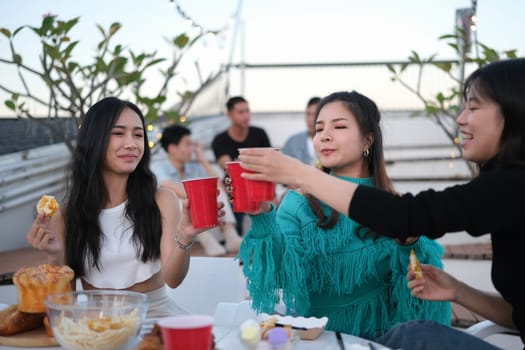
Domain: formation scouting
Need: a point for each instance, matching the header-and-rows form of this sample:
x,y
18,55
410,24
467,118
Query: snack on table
x,y
152,340
110,332
268,333
14,321
267,327
415,266
279,338
47,205
250,333
33,284
47,327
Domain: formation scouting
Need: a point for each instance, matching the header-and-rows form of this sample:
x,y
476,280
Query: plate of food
x,y
309,328
23,329
25,323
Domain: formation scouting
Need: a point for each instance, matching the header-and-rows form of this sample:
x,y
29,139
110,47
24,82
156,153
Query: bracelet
x,y
182,245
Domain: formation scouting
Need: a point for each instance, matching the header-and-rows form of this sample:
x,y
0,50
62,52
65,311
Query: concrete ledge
x,y
471,251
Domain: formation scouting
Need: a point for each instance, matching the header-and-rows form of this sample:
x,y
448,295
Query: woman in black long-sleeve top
x,y
492,127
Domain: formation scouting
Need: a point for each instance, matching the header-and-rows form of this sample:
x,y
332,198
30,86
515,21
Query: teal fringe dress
x,y
360,285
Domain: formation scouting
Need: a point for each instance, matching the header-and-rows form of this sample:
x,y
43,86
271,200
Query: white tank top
x,y
119,266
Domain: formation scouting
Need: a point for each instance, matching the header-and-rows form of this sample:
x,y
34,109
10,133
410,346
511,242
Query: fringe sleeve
x,y
260,253
270,242
293,274
409,307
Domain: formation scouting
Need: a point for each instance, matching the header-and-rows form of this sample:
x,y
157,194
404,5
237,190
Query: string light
x,y
192,23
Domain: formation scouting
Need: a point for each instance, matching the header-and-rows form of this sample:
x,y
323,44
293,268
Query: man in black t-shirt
x,y
240,134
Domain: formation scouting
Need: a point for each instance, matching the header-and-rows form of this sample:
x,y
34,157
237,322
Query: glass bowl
x,y
98,319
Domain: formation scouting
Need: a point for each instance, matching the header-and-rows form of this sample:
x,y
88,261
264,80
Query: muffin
x,y
33,284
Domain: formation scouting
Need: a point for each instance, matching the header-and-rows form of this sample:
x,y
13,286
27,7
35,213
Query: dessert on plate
x,y
33,284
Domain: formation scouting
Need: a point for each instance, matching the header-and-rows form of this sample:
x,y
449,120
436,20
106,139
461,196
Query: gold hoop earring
x,y
366,153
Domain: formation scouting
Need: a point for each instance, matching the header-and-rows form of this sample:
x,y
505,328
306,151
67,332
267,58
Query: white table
x,y
228,339
228,318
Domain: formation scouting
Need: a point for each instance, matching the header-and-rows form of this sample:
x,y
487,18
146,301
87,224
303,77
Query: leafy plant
x,y
114,70
444,106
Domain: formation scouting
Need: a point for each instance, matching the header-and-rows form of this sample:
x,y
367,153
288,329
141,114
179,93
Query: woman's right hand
x,y
42,236
269,165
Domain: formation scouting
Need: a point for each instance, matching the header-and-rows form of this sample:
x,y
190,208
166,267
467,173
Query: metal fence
x,y
286,87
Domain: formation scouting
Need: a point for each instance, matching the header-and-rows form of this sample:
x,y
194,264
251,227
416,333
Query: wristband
x,y
183,246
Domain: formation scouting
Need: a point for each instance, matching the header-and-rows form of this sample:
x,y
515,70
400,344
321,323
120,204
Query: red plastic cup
x,y
241,201
202,195
186,332
260,191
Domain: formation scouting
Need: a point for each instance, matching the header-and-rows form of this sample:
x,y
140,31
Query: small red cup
x,y
241,201
202,195
186,332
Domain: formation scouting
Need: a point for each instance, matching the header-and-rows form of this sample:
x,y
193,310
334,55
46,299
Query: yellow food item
x,y
33,284
47,205
272,323
415,266
250,332
108,332
14,321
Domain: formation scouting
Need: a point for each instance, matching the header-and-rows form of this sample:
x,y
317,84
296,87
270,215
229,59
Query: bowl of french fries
x,y
101,319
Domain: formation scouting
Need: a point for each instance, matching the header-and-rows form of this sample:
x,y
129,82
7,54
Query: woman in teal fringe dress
x,y
324,263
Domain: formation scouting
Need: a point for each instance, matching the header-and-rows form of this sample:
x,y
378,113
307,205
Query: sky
x,y
271,31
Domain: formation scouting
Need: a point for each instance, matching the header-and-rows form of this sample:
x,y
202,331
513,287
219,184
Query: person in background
x,y
240,134
325,263
492,129
116,229
177,166
300,145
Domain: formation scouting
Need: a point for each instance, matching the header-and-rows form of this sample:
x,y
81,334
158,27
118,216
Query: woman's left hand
x,y
185,227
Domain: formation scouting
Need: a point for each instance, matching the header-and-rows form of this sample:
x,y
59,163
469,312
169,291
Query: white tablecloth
x,y
228,339
228,318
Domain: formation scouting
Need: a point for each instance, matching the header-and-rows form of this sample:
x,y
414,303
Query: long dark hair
x,y
87,193
368,118
504,83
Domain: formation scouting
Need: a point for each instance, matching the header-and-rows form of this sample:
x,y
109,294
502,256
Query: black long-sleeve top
x,y
492,203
